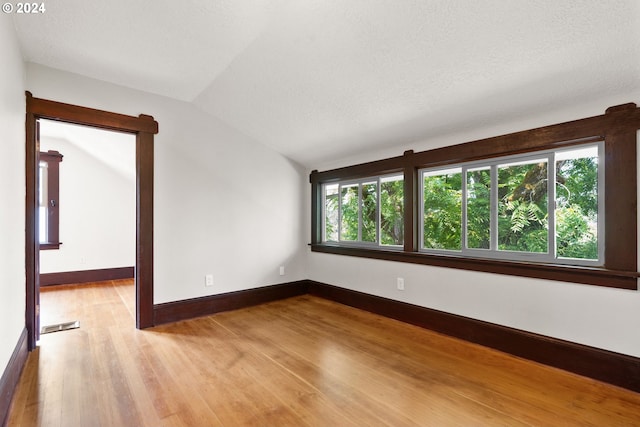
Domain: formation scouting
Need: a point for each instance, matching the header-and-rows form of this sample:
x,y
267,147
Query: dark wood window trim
x,y
617,127
53,159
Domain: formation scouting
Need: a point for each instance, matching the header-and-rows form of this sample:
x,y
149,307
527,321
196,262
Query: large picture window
x,y
557,202
543,207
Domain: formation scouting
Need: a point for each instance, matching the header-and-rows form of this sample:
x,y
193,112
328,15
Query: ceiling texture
x,y
320,79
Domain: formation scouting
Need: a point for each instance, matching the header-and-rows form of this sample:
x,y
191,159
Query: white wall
x,y
224,204
97,204
596,316
12,191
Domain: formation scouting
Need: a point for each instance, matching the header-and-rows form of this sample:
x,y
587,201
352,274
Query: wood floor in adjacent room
x,y
303,361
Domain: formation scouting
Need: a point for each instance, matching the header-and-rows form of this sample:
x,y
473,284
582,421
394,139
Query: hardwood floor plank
x,y
303,361
390,390
452,355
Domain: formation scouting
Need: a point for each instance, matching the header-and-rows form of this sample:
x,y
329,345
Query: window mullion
x,y
378,212
551,204
463,235
493,223
360,206
339,212
420,211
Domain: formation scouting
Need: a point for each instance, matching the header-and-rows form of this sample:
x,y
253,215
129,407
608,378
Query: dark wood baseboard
x,y
610,367
86,276
11,375
195,307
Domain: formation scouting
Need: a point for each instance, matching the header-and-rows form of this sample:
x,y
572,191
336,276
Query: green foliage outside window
x,y
331,213
357,213
522,207
577,208
372,211
369,212
443,210
350,212
479,208
392,212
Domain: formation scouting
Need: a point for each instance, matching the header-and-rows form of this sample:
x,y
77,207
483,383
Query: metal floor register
x,y
60,327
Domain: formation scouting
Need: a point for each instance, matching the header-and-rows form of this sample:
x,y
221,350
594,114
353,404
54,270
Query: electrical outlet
x,y
400,284
282,270
208,280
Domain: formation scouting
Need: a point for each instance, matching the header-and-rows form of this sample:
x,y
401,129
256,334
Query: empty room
x,y
319,213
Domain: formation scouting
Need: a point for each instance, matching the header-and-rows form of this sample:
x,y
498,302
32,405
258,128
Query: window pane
x,y
42,202
349,220
522,206
43,178
369,212
331,213
577,204
479,208
44,236
442,214
392,210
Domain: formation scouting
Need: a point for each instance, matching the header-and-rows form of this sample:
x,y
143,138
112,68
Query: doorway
x,y
144,128
86,213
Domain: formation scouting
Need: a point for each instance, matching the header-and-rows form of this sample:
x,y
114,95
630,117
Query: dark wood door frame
x,y
144,128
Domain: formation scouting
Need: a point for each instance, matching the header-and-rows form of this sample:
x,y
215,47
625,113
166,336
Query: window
x,y
500,208
531,203
48,199
365,212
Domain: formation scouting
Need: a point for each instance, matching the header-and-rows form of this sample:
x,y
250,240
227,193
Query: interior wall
x,y
97,208
12,191
606,318
224,204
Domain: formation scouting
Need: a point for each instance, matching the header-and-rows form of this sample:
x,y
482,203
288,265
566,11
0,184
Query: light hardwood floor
x,y
303,361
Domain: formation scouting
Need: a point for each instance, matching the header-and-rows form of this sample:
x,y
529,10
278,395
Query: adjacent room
x,y
319,213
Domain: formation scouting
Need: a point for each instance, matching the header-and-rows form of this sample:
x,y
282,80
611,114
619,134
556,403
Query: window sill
x,y
47,246
574,274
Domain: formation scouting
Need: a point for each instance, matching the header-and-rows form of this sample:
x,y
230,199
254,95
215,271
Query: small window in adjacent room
x,y
49,199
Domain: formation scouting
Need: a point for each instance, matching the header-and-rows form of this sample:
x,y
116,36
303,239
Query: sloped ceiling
x,y
320,79
117,151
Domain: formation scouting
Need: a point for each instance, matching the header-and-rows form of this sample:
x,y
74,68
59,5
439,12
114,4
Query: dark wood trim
x,y
11,375
378,167
86,276
617,127
316,206
145,127
410,204
46,246
195,307
75,114
610,367
32,264
144,229
621,179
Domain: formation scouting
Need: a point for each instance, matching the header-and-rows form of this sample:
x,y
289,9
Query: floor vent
x,y
60,327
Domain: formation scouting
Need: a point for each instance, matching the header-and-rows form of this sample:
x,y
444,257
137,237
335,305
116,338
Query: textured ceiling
x,y
321,79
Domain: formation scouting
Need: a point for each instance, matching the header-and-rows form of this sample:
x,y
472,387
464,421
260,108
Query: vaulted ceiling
x,y
320,79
